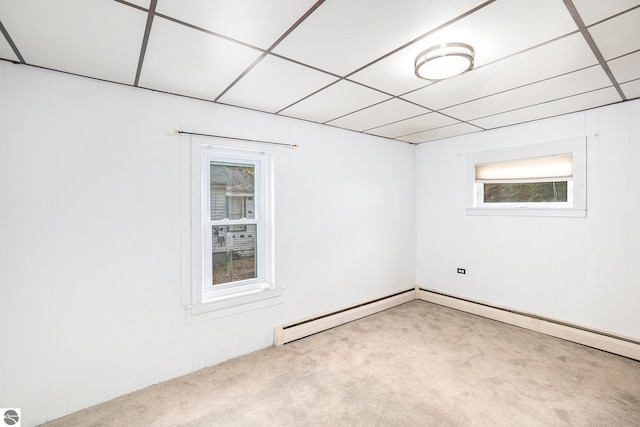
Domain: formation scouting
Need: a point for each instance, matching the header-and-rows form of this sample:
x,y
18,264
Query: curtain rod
x,y
238,139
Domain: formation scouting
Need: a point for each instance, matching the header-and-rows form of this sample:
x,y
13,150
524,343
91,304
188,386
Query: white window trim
x,y
577,205
244,295
260,162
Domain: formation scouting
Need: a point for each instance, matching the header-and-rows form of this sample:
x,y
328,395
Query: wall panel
x,y
613,217
28,311
526,248
95,252
573,269
4,209
576,267
633,163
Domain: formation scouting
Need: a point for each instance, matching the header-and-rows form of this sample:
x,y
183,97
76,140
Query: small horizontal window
x,y
520,183
536,180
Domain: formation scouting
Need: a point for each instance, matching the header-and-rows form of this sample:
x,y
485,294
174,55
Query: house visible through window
x,y
237,222
235,207
234,246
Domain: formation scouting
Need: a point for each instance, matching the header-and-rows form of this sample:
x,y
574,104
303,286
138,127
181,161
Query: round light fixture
x,y
444,61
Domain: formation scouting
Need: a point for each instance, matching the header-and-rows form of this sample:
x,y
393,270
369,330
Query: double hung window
x,y
237,222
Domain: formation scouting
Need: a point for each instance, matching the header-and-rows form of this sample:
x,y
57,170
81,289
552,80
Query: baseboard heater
x,y
623,346
294,331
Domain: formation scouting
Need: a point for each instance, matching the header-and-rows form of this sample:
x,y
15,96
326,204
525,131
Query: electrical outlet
x,y
462,271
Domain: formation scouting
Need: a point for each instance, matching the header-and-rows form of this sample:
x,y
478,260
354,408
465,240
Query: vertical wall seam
x,y
588,146
597,222
5,231
627,314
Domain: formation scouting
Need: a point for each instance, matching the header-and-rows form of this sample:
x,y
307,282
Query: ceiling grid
x,y
145,40
345,64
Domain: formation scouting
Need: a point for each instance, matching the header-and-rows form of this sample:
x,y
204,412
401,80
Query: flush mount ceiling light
x,y
444,61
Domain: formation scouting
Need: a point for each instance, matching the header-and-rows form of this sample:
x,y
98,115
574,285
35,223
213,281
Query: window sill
x,y
229,305
561,212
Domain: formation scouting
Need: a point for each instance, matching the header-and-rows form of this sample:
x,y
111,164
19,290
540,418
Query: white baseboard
x,y
294,331
601,340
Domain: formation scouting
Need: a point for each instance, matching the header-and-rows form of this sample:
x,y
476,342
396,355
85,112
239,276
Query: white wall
x,y
580,270
92,238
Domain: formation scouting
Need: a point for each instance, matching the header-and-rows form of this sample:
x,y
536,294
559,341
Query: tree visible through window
x,y
541,179
533,181
526,192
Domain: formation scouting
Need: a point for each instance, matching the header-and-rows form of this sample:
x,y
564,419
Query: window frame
x,y
259,220
479,189
576,185
233,296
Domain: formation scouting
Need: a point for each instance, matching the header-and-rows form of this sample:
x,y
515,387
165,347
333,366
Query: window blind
x,y
545,168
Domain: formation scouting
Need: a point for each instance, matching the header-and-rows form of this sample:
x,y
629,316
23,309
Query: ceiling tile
x,y
331,39
559,87
385,112
394,74
256,22
495,31
337,100
176,62
504,28
561,56
77,36
531,59
618,36
439,133
631,89
413,125
592,11
562,106
626,68
274,84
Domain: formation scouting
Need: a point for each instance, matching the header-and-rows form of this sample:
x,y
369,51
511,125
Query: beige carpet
x,y
417,364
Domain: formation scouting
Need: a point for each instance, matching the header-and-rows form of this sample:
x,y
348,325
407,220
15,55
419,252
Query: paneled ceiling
x,y
345,63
